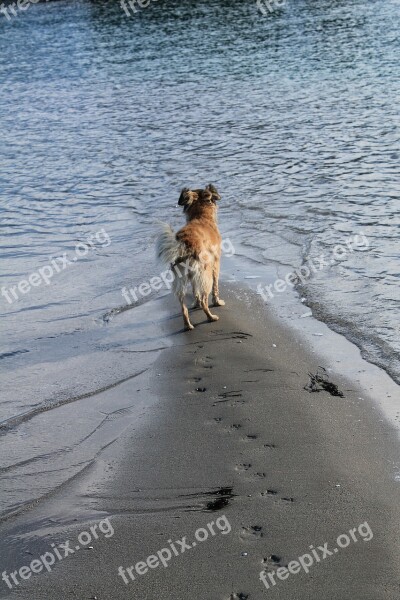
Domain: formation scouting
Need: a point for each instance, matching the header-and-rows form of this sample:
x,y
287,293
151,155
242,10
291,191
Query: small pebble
x,y
274,558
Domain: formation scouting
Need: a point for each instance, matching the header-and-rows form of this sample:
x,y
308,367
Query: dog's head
x,y
194,200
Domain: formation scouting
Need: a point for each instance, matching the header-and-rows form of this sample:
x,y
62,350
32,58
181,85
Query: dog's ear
x,y
213,190
186,198
207,196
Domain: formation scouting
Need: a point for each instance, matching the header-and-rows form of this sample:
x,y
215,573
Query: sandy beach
x,y
235,470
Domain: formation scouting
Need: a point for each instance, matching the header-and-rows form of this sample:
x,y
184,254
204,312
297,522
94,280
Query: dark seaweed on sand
x,y
320,382
223,497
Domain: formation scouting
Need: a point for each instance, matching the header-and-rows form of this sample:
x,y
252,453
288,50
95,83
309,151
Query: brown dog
x,y
194,253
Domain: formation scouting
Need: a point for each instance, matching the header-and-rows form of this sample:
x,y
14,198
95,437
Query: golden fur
x,y
194,252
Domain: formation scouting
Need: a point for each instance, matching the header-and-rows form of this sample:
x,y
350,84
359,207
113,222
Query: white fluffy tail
x,y
185,268
168,249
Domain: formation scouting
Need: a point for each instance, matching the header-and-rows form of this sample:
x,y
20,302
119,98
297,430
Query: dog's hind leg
x,y
179,286
185,314
215,291
204,306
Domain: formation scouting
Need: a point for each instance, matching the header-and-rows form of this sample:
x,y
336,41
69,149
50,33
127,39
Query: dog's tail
x,y
168,249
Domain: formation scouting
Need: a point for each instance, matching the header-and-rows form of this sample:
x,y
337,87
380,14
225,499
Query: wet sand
x,y
231,446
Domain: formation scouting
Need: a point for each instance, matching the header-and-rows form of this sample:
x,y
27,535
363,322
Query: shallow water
x,y
104,117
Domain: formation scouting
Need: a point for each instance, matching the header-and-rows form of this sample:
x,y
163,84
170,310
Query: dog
x,y
194,252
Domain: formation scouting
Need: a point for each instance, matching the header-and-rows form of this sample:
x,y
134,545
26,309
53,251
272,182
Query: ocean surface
x,y
291,112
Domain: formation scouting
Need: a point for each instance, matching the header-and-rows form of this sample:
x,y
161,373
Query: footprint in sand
x,y
251,534
285,499
230,428
243,467
204,361
269,493
271,561
238,596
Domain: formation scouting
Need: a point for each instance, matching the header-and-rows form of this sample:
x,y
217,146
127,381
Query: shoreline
x,y
288,469
337,348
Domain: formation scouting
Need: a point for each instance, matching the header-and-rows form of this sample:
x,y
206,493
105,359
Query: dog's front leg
x,y
215,291
196,302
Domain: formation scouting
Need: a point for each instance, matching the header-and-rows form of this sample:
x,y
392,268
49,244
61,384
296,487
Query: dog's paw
x,y
213,318
189,327
218,302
